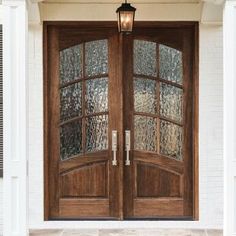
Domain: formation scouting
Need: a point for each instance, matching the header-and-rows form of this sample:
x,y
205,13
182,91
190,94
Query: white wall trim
x,y
106,12
15,74
229,24
212,13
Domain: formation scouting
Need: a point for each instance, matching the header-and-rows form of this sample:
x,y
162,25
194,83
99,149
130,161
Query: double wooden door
x,y
119,122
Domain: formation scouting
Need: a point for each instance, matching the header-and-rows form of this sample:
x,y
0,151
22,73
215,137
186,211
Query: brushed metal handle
x,y
114,147
127,147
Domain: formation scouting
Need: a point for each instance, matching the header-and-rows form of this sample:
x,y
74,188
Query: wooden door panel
x,y
153,181
89,180
158,84
162,161
82,78
84,208
158,208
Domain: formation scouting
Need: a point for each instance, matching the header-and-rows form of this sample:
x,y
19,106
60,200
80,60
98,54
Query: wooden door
x,y
144,87
82,108
158,112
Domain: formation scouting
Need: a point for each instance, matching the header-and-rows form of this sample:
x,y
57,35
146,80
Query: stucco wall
x,y
211,140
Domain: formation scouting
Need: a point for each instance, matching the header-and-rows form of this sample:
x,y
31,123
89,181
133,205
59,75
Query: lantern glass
x,y
126,21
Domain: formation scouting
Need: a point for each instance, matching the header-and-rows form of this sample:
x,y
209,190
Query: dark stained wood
x,y
45,125
88,174
157,208
157,159
128,186
88,186
53,120
152,181
82,159
188,118
196,121
82,181
140,181
116,123
83,208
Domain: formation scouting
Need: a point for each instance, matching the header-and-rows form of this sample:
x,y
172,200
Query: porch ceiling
x,y
205,11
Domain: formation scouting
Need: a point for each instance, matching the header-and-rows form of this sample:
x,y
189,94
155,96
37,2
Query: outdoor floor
x,y
128,232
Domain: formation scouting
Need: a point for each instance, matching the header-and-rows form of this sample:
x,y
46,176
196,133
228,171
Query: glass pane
x,y
171,102
171,67
71,101
71,139
145,95
145,133
171,140
71,64
96,133
96,95
96,57
145,58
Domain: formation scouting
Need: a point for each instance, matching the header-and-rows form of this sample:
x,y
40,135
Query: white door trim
x,y
15,103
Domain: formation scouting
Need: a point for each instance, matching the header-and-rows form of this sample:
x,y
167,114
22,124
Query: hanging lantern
x,y
125,14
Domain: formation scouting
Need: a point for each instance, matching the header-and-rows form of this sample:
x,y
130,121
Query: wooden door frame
x,y
140,24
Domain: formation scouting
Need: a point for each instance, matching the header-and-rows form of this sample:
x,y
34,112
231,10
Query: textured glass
x,y
171,140
70,139
96,95
71,101
145,58
171,67
145,99
96,57
171,102
71,64
145,133
96,133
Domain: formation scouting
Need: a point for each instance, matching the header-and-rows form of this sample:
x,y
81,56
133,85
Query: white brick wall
x,y
211,138
211,125
1,206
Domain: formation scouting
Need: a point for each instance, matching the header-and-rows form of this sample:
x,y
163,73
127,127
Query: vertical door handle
x,y
114,147
127,147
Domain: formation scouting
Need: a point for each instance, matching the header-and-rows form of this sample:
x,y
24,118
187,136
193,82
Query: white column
x,y
15,73
230,118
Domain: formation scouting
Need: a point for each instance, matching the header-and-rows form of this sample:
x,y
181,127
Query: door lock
x,y
114,147
127,147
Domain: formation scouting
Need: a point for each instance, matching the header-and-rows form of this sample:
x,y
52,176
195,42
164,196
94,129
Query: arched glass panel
x,y
83,94
158,99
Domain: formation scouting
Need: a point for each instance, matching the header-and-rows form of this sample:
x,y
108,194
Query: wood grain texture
x,y
172,207
82,181
152,181
80,208
153,185
196,121
143,181
87,176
